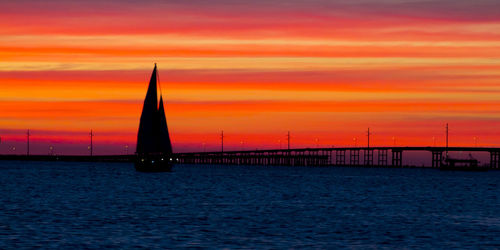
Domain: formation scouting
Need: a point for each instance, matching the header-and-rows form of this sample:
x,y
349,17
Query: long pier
x,y
342,156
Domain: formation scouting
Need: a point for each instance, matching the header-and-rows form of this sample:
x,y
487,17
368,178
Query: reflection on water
x,y
111,205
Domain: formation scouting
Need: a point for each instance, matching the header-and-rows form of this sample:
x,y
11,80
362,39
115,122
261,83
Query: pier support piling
x,y
340,157
354,157
437,158
382,157
368,157
397,158
494,159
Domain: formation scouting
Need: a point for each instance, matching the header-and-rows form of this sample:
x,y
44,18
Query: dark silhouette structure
x,y
154,149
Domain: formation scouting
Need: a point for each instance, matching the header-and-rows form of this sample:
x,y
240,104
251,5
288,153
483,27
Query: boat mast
x,y
158,80
165,145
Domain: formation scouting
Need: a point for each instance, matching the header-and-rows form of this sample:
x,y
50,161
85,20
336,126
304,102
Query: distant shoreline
x,y
72,158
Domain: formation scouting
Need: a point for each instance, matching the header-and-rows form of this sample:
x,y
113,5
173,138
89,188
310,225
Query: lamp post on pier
x,y
368,135
288,139
28,143
91,143
222,141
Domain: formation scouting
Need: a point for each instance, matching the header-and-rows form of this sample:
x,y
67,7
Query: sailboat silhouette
x,y
154,149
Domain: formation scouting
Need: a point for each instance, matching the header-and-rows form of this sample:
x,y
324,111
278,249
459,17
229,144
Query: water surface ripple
x,y
96,205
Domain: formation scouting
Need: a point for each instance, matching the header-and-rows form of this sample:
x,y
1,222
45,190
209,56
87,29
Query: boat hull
x,y
153,164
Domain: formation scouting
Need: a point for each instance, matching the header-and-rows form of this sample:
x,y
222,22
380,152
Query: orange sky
x,y
325,70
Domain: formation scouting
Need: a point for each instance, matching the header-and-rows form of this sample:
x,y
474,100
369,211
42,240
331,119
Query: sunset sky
x,y
324,70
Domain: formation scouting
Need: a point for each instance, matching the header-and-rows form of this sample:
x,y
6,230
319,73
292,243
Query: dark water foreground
x,y
61,205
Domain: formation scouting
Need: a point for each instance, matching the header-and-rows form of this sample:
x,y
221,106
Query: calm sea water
x,y
96,205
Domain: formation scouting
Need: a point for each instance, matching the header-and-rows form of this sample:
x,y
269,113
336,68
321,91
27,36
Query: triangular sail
x,y
147,138
165,144
153,134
